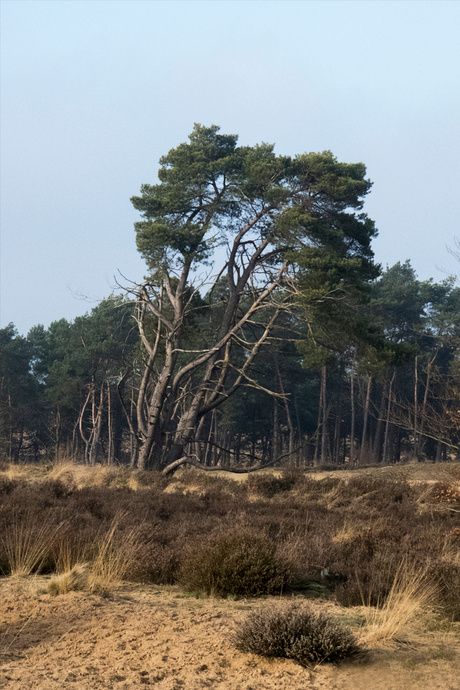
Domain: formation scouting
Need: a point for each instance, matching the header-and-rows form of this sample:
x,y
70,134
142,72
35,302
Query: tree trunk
x,y
425,400
353,415
318,425
377,446
58,433
415,405
288,416
387,421
109,425
324,415
338,423
275,430
366,415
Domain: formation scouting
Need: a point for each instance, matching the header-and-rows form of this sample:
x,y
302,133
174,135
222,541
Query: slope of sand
x,y
145,635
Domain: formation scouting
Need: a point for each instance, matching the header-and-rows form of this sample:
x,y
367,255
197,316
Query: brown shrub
x,y
446,577
240,563
296,633
268,485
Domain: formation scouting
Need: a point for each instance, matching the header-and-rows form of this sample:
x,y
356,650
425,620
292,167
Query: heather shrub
x,y
52,489
240,563
158,560
346,537
328,484
296,633
342,554
8,485
161,566
268,485
369,581
376,492
318,490
446,577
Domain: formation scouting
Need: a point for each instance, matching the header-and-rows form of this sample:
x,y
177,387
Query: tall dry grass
x,y
114,559
114,555
28,543
78,476
410,594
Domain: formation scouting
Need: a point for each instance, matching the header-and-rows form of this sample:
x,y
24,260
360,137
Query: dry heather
x,y
296,632
382,538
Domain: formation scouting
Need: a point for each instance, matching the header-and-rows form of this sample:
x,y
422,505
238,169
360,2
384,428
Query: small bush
x,y
8,485
156,563
328,485
296,633
370,570
239,563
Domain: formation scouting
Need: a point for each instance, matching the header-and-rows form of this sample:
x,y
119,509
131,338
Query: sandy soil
x,y
145,635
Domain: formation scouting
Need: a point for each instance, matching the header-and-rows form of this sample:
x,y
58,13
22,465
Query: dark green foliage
x,y
240,563
390,334
297,633
22,402
46,378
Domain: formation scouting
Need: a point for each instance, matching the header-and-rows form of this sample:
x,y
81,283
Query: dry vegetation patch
x,y
341,538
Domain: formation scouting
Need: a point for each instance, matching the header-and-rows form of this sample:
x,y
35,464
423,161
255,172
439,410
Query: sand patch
x,y
145,635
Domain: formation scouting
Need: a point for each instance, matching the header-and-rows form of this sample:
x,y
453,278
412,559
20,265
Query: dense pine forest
x,y
292,349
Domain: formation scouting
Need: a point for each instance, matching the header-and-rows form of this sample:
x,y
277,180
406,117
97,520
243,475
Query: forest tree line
x,y
292,349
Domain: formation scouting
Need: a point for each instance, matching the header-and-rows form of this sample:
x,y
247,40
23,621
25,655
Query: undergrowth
x,y
340,538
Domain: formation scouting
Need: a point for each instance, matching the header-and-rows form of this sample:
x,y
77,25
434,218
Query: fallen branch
x,y
189,460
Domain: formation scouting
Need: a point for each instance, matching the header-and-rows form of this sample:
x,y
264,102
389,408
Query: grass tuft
x,y
74,579
114,558
410,593
28,544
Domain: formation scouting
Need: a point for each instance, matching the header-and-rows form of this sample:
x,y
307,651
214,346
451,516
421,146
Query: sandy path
x,y
149,636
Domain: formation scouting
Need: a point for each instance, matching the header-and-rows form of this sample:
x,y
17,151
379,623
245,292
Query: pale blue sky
x,y
94,92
